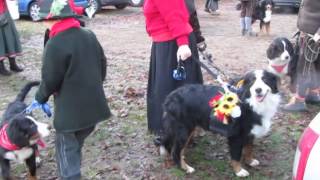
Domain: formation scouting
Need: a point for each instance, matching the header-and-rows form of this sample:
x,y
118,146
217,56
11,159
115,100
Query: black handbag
x,y
3,19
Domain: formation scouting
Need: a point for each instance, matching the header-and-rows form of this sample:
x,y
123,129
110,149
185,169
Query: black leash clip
x,y
179,74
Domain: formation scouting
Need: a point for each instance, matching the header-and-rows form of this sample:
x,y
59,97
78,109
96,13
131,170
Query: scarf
x,y
63,25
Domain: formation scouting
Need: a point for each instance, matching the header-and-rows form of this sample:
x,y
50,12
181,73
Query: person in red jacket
x,y
167,23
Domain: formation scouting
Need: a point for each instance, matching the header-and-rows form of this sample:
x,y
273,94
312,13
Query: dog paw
x,y
242,173
163,151
190,169
254,163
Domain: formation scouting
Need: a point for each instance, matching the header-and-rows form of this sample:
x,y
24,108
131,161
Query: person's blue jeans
x,y
68,153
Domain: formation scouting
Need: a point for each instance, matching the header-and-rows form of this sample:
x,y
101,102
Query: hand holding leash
x,y
36,105
183,52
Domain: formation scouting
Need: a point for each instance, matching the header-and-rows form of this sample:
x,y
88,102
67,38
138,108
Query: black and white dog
x,y
20,135
283,58
263,13
187,108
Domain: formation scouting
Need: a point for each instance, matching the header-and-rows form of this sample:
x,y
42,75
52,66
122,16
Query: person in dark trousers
x,y
167,23
246,12
73,71
308,67
212,6
10,46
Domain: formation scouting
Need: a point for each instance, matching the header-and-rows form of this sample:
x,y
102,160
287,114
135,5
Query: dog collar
x,y
5,141
279,69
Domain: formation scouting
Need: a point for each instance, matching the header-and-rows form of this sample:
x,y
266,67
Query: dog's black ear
x,y
271,51
243,84
16,132
273,82
289,47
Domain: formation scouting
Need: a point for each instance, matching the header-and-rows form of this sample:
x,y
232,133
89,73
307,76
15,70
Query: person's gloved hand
x,y
202,46
36,105
183,52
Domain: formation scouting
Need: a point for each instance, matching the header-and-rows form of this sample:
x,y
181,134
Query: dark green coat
x,y
74,68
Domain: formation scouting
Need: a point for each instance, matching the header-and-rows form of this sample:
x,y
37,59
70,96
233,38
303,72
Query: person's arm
x,y
194,21
52,73
176,16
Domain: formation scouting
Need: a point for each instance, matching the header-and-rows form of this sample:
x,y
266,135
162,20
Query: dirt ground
x,y
121,148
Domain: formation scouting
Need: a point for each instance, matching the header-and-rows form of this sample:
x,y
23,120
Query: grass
x,y
91,172
276,139
177,172
295,116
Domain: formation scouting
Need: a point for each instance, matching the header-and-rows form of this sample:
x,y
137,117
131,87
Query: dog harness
x,y
7,144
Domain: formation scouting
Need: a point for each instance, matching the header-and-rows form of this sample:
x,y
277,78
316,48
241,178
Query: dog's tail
x,y
24,91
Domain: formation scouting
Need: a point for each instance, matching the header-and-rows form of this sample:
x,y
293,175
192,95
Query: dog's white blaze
x,y
285,56
268,16
43,129
267,108
19,155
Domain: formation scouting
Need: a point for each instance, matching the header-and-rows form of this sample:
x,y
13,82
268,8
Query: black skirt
x,y
161,83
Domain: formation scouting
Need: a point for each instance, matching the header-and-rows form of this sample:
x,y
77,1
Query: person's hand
x,y
316,37
183,52
36,105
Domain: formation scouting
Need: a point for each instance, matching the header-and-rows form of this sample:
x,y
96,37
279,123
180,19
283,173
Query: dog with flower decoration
x,y
240,111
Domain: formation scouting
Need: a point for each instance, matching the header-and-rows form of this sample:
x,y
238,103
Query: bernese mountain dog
x,y
20,135
283,59
263,13
187,108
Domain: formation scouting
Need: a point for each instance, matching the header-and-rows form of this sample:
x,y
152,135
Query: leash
x,y
311,52
219,75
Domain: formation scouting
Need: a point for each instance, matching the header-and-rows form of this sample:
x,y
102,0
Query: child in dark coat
x,y
73,71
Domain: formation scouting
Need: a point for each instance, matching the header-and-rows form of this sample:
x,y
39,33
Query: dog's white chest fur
x,y
19,155
266,109
268,16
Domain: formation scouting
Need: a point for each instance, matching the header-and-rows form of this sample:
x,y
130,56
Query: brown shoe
x,y
295,105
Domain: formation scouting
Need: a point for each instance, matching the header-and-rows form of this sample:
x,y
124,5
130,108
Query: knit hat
x,y
55,9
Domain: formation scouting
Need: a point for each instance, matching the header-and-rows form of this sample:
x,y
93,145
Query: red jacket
x,y
167,20
3,7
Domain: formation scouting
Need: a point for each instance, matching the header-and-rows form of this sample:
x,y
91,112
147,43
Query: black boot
x,y
13,65
3,70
